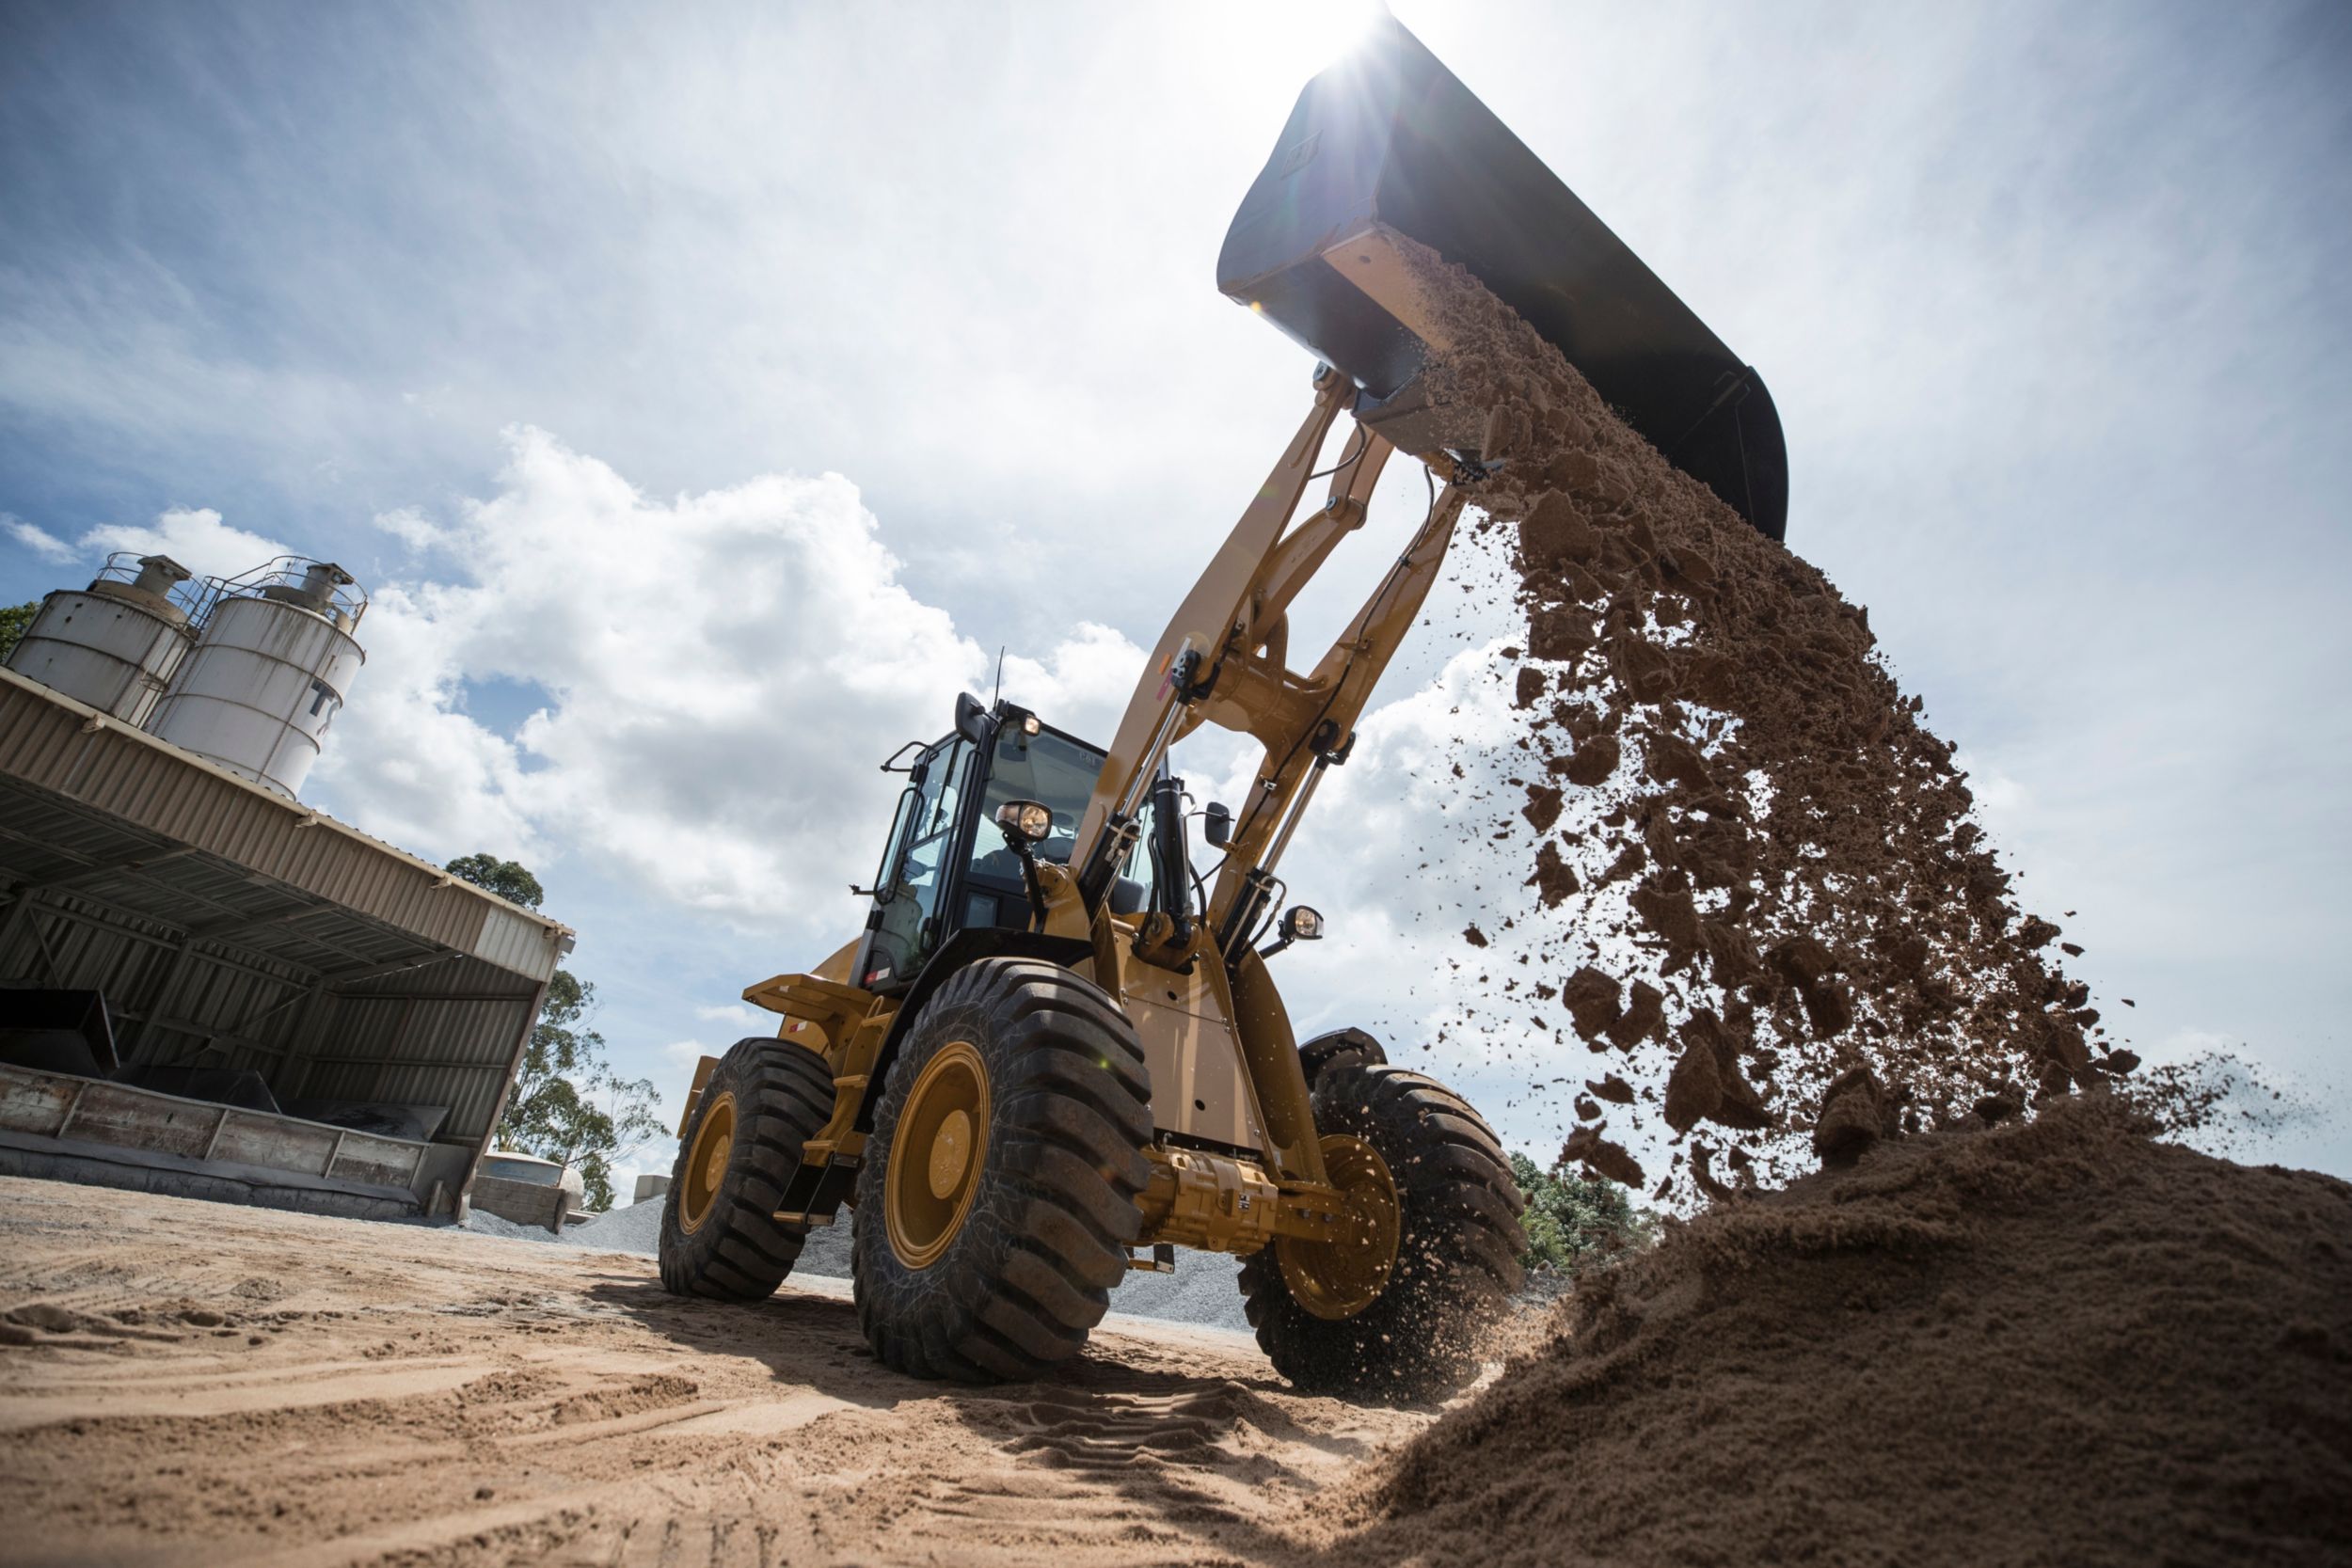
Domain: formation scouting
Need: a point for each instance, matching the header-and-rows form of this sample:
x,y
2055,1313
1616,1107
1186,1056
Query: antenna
x,y
999,692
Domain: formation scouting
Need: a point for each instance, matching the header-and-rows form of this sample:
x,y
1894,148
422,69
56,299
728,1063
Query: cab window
x,y
1059,773
913,872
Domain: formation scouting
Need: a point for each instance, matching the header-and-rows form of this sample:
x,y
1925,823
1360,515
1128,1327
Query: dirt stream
x,y
1754,868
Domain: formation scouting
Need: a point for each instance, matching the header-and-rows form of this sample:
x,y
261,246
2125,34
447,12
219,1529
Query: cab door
x,y
917,865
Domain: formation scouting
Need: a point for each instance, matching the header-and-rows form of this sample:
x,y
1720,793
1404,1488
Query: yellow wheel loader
x,y
1057,1050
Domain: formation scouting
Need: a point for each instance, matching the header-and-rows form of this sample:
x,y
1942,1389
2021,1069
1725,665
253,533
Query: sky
x,y
705,395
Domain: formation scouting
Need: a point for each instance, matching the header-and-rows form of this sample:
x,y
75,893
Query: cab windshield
x,y
1042,767
1060,772
946,866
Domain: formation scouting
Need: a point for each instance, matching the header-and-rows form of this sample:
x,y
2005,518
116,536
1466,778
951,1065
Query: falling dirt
x,y
1756,867
2054,1342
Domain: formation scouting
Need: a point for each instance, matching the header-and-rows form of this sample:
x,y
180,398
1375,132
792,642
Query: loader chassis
x,y
1235,1156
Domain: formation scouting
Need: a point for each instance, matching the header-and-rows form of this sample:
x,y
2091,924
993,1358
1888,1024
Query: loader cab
x,y
946,867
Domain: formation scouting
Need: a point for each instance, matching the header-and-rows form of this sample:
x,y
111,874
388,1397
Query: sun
x,y
1274,46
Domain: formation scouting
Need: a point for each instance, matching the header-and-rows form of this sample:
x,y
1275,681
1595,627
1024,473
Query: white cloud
x,y
685,1055
723,668
2005,801
195,537
40,541
412,527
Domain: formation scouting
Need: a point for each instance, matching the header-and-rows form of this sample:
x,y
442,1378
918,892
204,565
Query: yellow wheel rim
x,y
1340,1277
707,1163
936,1155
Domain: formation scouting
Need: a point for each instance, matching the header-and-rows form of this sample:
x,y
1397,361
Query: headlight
x,y
1301,924
1030,821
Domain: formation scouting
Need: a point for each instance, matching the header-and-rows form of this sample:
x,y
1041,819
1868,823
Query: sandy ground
x,y
195,1382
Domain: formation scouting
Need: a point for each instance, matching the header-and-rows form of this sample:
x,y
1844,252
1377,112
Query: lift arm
x,y
1223,661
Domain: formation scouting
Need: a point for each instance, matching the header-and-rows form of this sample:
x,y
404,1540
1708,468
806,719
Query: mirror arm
x,y
1027,853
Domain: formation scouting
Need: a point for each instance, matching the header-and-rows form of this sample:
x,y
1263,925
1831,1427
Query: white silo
x,y
274,656
116,643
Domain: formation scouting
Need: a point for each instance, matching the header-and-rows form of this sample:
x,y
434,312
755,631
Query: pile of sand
x,y
2051,1342
1754,867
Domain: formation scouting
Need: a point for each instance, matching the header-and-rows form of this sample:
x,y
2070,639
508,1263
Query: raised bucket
x,y
1390,141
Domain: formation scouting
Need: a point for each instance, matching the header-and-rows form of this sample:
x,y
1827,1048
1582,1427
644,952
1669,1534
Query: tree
x,y
567,1103
509,880
15,621
1573,1220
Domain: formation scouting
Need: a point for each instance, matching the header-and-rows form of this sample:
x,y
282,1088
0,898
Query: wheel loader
x,y
1057,1050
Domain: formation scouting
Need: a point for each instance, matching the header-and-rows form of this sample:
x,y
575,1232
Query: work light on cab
x,y
1030,821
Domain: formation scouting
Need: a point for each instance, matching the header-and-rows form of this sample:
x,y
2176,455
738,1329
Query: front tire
x,y
718,1234
997,1200
1459,1244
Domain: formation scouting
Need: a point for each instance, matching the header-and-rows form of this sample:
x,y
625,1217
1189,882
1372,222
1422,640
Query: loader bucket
x,y
1388,142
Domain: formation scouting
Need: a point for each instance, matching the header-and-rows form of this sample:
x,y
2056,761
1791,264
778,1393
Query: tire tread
x,y
1017,1291
783,1095
1457,1253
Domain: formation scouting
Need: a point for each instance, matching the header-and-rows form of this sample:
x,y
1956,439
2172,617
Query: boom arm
x,y
1222,660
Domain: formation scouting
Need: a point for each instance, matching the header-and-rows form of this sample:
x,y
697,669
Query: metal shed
x,y
230,927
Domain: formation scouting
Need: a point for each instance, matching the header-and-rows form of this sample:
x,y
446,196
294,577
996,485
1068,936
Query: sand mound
x,y
1753,867
2056,1341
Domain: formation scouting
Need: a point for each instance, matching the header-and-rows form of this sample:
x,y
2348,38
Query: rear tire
x,y
1339,1048
719,1237
1007,1264
1458,1246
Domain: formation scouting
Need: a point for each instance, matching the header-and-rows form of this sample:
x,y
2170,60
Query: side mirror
x,y
1024,822
972,721
1217,825
1299,923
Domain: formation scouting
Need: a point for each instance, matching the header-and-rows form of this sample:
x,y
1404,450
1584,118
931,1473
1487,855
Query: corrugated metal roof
x,y
228,926
113,778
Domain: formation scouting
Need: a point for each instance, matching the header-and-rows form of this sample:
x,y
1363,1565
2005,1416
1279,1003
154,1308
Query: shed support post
x,y
293,1068
218,1128
155,1007
497,1107
70,1106
26,896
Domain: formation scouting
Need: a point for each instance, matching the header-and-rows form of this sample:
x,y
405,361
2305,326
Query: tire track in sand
x,y
406,1395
